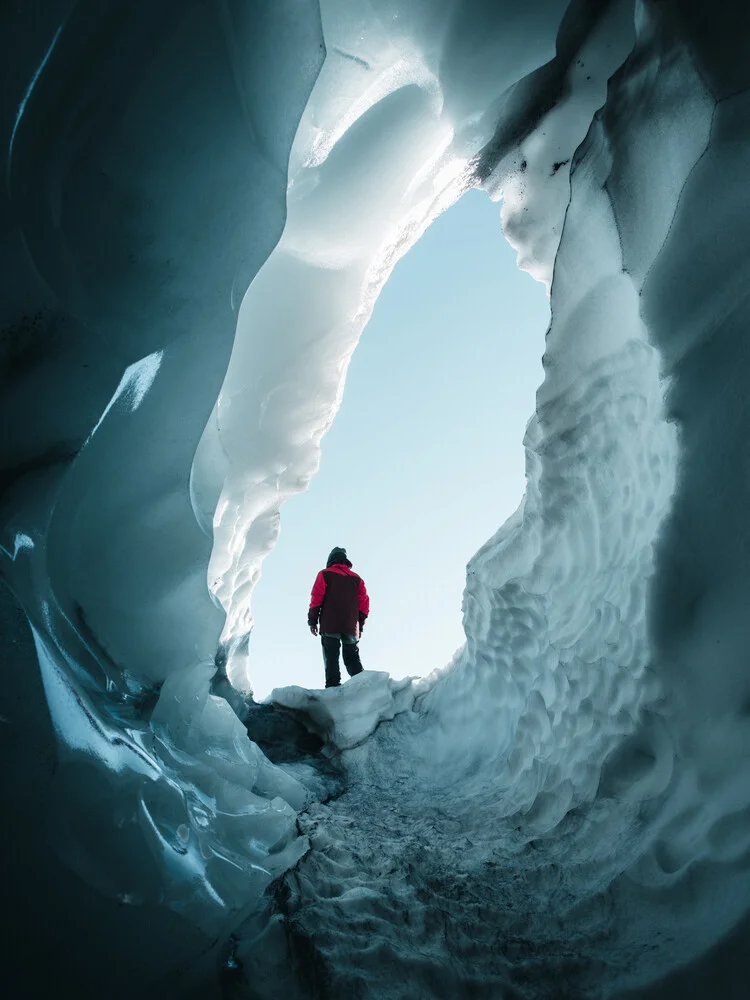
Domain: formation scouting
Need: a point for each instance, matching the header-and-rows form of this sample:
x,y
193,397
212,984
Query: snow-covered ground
x,y
564,810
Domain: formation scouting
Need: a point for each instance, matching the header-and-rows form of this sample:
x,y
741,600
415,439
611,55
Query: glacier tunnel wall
x,y
145,174
557,812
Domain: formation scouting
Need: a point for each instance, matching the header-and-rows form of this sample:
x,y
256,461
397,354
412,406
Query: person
x,y
339,606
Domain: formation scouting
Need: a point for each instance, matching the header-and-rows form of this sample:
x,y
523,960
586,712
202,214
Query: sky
x,y
424,461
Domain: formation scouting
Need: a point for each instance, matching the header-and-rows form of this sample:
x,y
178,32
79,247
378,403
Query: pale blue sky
x,y
424,460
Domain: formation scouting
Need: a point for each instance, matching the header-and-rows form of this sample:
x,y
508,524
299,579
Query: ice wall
x,y
146,150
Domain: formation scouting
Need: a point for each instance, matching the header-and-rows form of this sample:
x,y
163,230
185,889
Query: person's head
x,y
338,555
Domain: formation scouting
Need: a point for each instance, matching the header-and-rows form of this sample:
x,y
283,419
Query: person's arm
x,y
364,604
316,602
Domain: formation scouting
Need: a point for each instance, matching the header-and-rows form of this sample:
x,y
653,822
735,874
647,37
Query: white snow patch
x,y
345,716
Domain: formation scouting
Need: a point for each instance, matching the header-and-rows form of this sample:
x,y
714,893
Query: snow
x,y
345,716
563,809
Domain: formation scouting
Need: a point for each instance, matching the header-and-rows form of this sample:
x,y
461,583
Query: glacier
x,y
201,203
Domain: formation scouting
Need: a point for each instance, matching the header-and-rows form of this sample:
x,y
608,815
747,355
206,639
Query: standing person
x,y
340,605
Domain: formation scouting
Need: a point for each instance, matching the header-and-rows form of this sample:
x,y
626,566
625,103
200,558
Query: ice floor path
x,y
417,887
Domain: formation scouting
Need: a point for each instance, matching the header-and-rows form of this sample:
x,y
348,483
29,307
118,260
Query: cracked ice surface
x,y
556,812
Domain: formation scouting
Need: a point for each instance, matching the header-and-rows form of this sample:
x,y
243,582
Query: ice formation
x,y
201,203
344,717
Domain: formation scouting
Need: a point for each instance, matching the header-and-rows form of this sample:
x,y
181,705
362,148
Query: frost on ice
x,y
195,230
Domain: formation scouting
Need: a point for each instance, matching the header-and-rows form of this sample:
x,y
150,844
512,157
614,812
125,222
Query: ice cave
x,y
201,202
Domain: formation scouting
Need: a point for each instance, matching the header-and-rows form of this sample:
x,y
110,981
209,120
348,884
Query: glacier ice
x,y
201,204
345,716
140,196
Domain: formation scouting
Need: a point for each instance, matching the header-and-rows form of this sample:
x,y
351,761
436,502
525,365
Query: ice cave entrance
x,y
425,459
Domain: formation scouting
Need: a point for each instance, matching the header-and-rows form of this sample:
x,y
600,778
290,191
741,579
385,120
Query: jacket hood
x,y
338,555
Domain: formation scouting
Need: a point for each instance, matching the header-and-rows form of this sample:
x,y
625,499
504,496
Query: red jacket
x,y
339,601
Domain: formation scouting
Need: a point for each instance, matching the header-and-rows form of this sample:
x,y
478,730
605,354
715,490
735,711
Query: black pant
x,y
331,642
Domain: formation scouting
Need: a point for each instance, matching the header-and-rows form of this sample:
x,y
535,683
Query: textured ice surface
x,y
347,715
562,811
139,199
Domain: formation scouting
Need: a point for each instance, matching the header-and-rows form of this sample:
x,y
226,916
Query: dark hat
x,y
338,555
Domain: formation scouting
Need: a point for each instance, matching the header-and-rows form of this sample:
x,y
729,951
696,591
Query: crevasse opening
x,y
423,459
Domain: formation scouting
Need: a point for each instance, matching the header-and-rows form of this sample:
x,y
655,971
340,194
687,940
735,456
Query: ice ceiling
x,y
564,811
